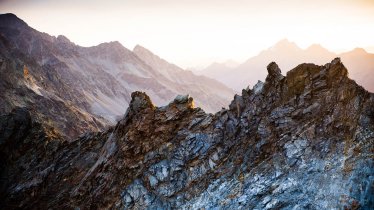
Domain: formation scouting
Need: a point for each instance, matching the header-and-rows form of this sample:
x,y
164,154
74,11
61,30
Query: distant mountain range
x,y
300,140
288,55
95,82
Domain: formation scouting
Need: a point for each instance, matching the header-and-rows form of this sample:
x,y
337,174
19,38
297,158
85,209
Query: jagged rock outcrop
x,y
287,54
200,87
300,141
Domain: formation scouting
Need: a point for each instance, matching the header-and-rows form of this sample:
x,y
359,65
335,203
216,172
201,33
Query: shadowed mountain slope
x,y
304,141
94,82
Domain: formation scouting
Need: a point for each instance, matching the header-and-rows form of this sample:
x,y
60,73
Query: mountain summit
x,y
287,54
94,81
303,141
12,21
285,45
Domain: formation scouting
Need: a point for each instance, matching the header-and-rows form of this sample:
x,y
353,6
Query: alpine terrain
x,y
303,140
95,82
287,54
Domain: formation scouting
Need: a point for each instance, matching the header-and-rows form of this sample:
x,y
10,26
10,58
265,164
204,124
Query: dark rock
x,y
291,143
140,101
274,73
15,126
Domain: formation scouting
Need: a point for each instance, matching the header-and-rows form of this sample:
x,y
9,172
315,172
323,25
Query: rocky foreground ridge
x,y
300,141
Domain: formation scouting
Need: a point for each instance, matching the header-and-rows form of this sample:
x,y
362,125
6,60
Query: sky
x,y
195,33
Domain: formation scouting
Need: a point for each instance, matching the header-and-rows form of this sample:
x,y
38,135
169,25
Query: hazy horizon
x,y
195,34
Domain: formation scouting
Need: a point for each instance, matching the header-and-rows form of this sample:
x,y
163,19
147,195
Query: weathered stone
x,y
139,101
257,88
274,73
181,99
290,145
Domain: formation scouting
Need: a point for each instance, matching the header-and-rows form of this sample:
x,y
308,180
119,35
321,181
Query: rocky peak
x,y
274,76
153,60
303,141
113,51
114,46
10,20
359,51
184,100
274,72
285,45
140,101
63,39
336,61
65,45
336,70
142,50
316,48
331,73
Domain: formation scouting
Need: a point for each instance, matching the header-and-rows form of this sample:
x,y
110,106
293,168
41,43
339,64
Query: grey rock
x,y
181,99
288,146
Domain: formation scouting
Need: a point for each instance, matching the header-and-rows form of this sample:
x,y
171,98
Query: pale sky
x,y
196,32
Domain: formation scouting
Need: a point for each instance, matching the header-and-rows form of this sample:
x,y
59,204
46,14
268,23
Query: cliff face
x,y
302,141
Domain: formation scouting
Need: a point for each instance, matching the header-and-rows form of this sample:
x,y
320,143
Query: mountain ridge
x,y
287,54
96,80
302,140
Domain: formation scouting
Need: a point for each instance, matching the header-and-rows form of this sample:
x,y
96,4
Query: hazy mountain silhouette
x,y
361,65
97,80
288,55
301,140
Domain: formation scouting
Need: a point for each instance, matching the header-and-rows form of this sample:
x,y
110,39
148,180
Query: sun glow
x,y
196,33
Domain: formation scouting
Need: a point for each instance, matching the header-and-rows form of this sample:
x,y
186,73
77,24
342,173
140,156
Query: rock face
x,y
92,83
300,141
